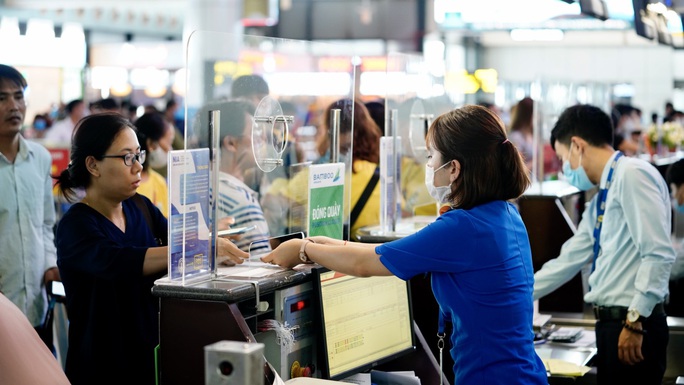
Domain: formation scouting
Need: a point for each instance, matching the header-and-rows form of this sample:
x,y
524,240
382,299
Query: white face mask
x,y
158,158
629,126
439,193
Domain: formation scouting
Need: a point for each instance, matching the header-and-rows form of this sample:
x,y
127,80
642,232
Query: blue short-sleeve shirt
x,y
482,278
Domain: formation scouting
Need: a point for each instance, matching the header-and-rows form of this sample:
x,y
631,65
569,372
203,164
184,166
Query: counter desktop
x,y
340,324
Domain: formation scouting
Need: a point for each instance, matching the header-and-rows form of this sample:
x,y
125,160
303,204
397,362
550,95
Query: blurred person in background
x,y
150,109
249,87
364,148
492,107
61,131
626,122
155,136
521,133
130,110
376,110
238,203
669,112
106,105
41,123
170,116
364,157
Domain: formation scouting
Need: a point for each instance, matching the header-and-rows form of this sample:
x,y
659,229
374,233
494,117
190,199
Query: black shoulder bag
x,y
148,217
361,203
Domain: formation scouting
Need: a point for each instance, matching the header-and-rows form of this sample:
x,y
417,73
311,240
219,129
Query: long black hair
x,y
93,135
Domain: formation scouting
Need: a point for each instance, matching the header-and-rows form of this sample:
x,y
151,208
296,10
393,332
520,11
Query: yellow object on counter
x,y
564,368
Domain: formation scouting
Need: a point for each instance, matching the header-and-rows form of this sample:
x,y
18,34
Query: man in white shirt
x,y
61,131
28,258
628,247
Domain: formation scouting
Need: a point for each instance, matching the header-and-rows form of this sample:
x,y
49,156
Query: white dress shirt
x,y
633,267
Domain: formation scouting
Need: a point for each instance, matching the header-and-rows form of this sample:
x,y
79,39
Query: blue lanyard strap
x,y
600,209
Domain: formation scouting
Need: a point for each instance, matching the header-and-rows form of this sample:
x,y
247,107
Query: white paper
x,y
249,269
359,378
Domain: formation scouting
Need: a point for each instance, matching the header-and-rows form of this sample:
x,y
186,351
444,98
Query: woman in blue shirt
x,y
109,257
477,252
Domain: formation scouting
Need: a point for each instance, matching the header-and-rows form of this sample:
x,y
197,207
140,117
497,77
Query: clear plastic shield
x,y
551,98
415,97
258,107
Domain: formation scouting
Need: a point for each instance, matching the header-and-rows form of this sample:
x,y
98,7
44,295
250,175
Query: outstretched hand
x,y
227,251
286,254
225,224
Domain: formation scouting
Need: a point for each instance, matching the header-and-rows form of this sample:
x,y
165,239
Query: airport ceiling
x,y
150,17
165,18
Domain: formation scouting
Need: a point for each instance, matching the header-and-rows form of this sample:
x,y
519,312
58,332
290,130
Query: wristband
x,y
633,329
302,251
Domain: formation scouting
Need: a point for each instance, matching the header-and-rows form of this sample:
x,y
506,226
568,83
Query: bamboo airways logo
x,y
324,176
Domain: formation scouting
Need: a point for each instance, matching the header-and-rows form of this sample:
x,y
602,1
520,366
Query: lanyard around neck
x,y
601,209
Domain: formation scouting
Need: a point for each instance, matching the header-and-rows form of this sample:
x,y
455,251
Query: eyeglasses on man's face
x,y
129,158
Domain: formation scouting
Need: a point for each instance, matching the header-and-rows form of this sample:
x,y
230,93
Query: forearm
x,y
358,260
651,284
338,242
156,259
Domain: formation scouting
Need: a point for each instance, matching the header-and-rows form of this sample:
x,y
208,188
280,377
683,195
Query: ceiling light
x,y
40,29
9,26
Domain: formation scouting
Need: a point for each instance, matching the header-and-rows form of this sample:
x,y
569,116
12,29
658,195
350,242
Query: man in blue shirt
x,y
27,214
624,234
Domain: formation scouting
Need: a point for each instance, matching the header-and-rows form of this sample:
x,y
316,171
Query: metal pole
x,y
335,135
214,150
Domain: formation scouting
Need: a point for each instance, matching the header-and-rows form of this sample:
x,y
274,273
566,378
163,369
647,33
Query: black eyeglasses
x,y
128,158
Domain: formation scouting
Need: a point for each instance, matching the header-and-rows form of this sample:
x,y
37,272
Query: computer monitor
x,y
644,23
594,8
364,321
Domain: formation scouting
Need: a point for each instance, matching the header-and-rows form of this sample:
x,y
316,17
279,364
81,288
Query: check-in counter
x,y
544,210
231,308
675,347
199,314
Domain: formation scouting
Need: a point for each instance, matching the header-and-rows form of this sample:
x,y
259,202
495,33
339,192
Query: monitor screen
x,y
644,24
594,8
365,321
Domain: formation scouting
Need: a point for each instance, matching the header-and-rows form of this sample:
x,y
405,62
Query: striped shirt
x,y
238,201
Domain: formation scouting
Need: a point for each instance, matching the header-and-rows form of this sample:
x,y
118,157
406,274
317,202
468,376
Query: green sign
x,y
326,198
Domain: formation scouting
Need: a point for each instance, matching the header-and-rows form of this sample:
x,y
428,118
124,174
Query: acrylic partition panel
x,y
257,109
551,98
416,95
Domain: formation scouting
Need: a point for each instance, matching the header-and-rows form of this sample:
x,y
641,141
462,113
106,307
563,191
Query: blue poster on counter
x,y
189,234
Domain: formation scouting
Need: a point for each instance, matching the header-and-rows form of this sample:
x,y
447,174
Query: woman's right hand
x,y
228,251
